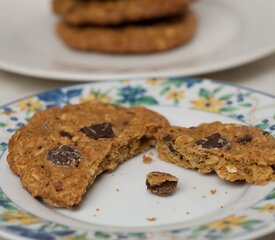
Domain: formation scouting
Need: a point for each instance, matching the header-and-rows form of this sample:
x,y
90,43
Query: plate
x,y
231,33
118,205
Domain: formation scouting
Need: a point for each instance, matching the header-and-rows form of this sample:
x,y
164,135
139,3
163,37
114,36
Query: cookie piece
x,y
112,12
61,151
139,38
161,183
234,152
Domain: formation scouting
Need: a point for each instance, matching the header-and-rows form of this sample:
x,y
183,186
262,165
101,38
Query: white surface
x,y
230,33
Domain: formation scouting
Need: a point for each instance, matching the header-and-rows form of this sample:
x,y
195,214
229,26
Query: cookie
x,y
234,152
137,38
161,183
110,12
61,151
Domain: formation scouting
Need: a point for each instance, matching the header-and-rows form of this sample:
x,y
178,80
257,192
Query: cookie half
x,y
234,152
112,12
139,38
61,151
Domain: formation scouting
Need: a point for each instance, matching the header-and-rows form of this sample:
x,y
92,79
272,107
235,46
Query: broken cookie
x,y
233,151
61,151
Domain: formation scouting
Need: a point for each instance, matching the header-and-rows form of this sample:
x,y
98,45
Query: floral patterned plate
x,y
118,205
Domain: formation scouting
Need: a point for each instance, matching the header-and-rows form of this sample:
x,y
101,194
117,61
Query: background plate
x,y
230,33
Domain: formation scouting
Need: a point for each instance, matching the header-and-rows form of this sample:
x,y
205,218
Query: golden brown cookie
x,y
155,37
61,151
112,12
234,152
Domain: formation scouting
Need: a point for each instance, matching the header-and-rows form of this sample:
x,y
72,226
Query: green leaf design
x,y
147,100
228,109
226,230
175,81
248,225
205,93
227,96
246,105
80,237
6,203
271,195
200,229
3,124
217,89
102,235
137,235
119,101
165,90
262,126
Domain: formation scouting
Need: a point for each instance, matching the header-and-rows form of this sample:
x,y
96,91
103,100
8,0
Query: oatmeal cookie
x,y
61,151
135,38
110,12
233,151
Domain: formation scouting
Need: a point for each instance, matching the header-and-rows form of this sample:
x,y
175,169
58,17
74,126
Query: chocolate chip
x,y
213,141
167,138
125,123
266,133
245,139
172,149
192,127
96,131
64,155
161,184
65,134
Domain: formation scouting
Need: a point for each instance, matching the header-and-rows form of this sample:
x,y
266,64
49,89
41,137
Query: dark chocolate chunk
x,y
192,127
161,184
65,134
125,123
245,139
213,141
96,131
64,155
167,138
266,133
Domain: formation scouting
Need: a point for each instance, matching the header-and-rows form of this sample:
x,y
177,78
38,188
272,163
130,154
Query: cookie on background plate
x,y
61,151
136,38
234,152
112,12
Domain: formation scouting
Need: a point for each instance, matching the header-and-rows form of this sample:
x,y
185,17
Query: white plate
x,y
237,210
230,33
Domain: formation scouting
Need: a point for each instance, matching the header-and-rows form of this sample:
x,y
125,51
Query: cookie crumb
x,y
203,196
117,189
161,184
147,159
98,209
194,188
213,191
221,206
187,213
94,215
151,219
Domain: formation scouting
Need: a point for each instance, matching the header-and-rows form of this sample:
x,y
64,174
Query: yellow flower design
x,y
269,208
154,81
20,217
226,223
99,96
175,95
29,104
211,105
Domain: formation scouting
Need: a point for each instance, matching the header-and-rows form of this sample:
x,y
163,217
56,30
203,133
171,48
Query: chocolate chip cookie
x,y
234,152
110,12
61,151
134,38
